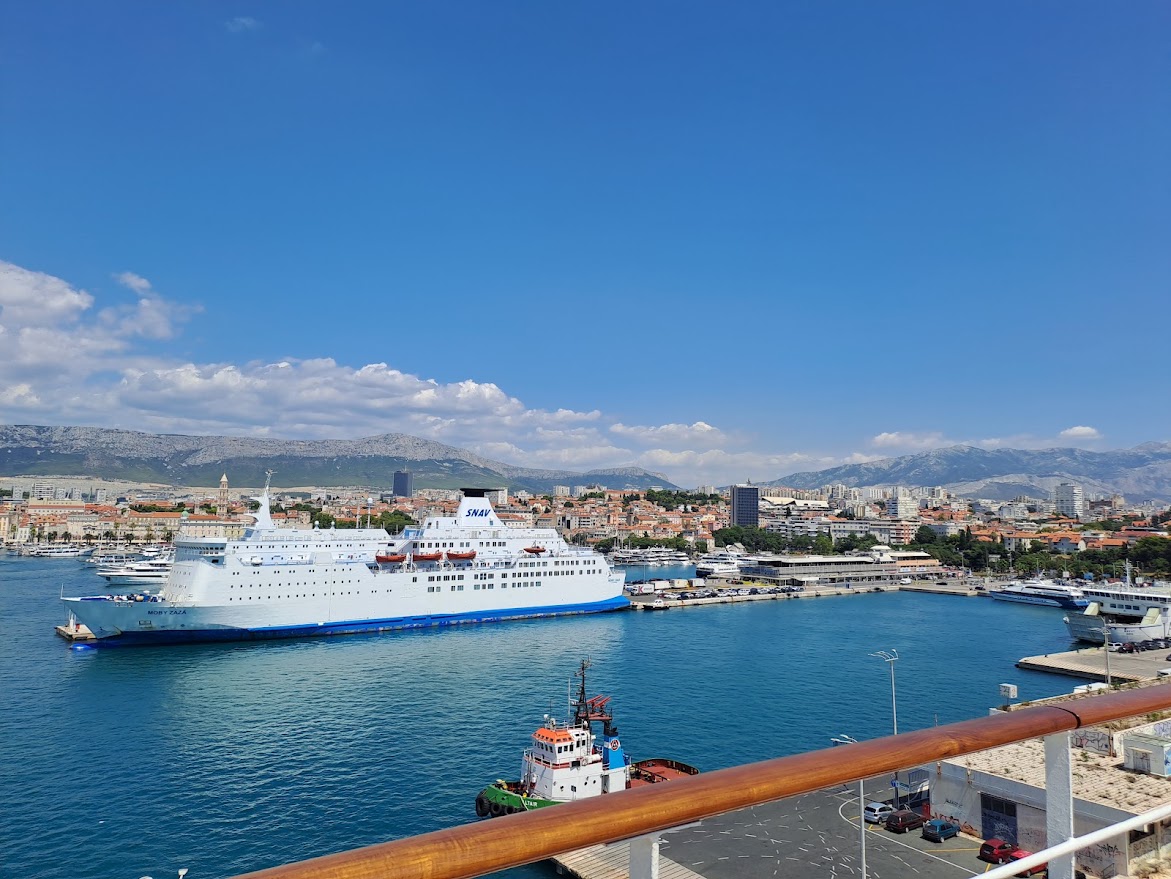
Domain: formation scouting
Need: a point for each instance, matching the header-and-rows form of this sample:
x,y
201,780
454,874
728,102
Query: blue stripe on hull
x,y
352,627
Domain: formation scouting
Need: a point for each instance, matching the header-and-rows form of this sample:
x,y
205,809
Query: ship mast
x,y
586,710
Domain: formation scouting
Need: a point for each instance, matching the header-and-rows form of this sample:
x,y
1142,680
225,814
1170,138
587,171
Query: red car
x,y
996,851
1019,853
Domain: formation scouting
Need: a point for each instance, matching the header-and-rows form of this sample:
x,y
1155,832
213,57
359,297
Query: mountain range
x,y
1141,473
370,462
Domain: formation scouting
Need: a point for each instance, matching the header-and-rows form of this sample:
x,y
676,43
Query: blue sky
x,y
721,241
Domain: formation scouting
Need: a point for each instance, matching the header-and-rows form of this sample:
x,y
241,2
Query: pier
x,y
670,596
1090,663
78,632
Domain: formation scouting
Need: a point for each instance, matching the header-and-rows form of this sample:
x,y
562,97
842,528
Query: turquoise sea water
x,y
229,758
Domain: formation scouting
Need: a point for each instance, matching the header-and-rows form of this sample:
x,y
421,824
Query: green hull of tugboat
x,y
502,798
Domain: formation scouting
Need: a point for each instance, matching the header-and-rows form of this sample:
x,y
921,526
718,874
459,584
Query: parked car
x,y
996,851
903,820
1129,647
937,830
1019,853
876,813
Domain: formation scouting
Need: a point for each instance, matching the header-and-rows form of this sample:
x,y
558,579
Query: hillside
x,y
1141,473
28,450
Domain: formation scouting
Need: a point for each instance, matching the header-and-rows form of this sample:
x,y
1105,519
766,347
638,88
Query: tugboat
x,y
567,762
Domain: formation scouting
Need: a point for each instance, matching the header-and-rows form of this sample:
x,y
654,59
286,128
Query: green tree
x,y
823,544
925,534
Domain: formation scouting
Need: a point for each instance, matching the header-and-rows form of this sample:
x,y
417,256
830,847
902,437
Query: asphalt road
x,y
814,835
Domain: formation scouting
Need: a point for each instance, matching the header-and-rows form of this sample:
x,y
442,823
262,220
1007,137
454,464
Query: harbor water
x,y
229,758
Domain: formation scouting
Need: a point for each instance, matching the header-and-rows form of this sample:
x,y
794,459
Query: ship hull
x,y
146,623
1045,601
500,799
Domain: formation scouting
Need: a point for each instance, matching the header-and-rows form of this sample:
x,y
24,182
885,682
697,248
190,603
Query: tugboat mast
x,y
587,710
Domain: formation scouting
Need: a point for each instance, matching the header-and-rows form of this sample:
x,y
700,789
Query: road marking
x,y
890,839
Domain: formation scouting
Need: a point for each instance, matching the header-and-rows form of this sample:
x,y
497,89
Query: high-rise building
x,y
901,505
404,483
1068,500
560,491
745,505
41,491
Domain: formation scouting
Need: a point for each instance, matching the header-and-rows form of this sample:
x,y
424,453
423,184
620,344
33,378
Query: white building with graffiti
x,y
1117,774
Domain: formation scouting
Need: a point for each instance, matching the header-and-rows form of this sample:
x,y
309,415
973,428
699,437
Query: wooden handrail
x,y
484,847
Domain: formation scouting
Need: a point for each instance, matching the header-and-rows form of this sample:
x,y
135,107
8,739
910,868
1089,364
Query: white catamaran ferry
x,y
1126,614
285,583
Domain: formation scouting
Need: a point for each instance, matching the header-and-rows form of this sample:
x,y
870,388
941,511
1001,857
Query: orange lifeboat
x,y
427,556
390,559
460,556
535,550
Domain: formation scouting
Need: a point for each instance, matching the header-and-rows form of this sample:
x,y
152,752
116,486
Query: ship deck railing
x,y
478,849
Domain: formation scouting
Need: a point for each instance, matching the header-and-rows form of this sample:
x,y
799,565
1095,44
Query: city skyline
x,y
724,245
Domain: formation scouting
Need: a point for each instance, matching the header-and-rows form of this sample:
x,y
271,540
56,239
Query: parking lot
x,y
814,835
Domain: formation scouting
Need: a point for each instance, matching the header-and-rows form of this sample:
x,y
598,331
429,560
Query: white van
x,y
1164,673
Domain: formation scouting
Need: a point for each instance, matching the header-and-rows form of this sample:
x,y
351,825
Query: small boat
x,y
567,761
535,550
460,556
391,559
427,556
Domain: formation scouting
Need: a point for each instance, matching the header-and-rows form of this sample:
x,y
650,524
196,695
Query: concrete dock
x,y
75,632
671,599
1089,663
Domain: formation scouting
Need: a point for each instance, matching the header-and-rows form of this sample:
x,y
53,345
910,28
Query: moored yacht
x,y
720,564
1037,591
145,572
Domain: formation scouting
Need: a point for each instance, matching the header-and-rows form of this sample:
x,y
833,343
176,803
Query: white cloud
x,y
910,441
721,467
675,435
112,375
137,283
34,299
241,24
1080,432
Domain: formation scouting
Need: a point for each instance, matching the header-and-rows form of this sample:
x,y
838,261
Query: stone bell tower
x,y
222,500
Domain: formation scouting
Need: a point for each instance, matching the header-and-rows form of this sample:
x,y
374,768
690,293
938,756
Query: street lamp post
x,y
890,657
850,740
1106,650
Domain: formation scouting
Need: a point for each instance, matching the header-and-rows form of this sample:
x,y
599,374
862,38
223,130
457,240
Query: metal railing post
x,y
644,857
1058,802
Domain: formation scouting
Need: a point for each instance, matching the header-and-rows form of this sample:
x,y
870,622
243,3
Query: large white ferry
x,y
1126,614
282,583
